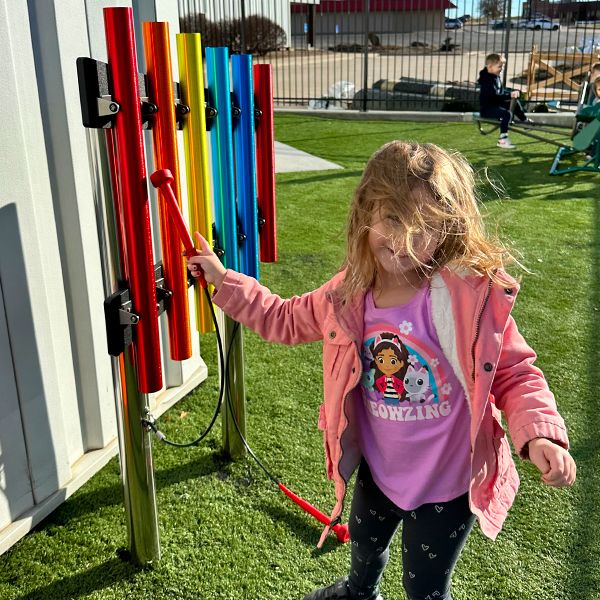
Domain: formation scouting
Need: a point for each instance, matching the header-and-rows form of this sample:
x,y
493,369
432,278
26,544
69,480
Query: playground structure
x,y
582,139
565,69
122,102
585,136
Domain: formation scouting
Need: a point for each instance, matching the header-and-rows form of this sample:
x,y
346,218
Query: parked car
x,y
453,24
543,24
464,18
520,24
498,25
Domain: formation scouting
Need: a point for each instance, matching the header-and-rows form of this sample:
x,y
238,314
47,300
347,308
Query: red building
x,y
347,17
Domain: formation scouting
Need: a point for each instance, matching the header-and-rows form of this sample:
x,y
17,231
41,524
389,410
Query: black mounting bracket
x,y
97,106
120,318
260,219
218,250
181,110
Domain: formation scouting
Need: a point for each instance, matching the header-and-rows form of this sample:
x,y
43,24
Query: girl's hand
x,y
208,262
555,463
515,94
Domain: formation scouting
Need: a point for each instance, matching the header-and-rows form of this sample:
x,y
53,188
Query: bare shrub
x,y
261,35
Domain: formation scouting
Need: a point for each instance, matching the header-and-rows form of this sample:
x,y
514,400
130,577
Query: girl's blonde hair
x,y
425,189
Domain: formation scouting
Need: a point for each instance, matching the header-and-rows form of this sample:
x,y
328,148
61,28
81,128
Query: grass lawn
x,y
226,530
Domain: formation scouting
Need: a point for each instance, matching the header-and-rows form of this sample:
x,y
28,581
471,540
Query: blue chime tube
x,y
219,92
245,162
226,234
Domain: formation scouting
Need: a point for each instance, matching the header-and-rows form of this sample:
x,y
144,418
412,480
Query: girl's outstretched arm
x,y
293,321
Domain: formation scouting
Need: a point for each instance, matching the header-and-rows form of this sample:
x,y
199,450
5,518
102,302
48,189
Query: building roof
x,y
354,6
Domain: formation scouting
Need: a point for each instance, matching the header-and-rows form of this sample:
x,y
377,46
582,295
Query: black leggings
x,y
433,536
503,114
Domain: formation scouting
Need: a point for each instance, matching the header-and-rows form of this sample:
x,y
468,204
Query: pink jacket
x,y
480,340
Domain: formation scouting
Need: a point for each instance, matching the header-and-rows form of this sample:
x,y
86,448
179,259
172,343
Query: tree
x,y
492,9
261,35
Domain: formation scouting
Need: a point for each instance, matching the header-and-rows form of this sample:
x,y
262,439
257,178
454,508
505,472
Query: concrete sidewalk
x,y
289,160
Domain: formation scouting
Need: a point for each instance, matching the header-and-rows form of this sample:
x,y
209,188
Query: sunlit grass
x,y
226,530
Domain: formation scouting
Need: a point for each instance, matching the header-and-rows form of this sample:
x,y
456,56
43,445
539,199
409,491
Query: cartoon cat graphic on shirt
x,y
416,383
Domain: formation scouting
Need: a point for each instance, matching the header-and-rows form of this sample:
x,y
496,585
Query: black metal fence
x,y
405,54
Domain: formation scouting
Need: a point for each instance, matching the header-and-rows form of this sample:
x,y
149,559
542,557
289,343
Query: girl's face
x,y
387,243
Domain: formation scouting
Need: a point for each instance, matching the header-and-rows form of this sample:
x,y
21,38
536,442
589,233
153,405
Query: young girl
x,y
421,275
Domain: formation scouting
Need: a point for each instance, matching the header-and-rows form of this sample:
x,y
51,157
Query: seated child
x,y
595,86
595,72
494,98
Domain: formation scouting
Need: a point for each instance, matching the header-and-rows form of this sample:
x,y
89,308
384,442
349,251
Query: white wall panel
x,y
30,267
15,486
59,37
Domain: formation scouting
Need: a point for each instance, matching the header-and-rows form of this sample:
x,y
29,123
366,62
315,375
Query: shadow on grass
x,y
583,583
82,584
524,174
89,502
300,525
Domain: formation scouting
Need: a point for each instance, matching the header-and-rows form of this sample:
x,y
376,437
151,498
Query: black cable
x,y
224,388
235,329
159,434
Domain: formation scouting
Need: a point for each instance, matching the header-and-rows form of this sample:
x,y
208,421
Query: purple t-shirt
x,y
413,419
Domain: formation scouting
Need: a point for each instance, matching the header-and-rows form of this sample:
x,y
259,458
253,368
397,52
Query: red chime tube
x,y
164,134
265,161
133,195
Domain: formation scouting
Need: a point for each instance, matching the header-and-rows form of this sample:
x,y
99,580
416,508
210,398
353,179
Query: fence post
x,y
507,21
366,56
243,27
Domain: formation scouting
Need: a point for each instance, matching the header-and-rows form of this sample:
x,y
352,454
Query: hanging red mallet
x,y
162,180
341,531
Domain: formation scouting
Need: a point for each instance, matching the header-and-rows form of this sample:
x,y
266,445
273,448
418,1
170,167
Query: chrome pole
x,y
135,451
234,403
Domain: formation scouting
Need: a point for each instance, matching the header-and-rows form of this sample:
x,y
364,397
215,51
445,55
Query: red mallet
x,y
161,180
341,531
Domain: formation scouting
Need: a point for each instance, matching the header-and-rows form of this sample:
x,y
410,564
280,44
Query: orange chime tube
x,y
133,195
164,132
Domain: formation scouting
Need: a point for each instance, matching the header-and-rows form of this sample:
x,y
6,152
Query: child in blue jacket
x,y
494,98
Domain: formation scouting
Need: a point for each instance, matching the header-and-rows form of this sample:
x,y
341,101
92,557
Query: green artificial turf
x,y
227,532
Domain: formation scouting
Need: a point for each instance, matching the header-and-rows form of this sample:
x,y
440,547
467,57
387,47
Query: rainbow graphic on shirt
x,y
416,381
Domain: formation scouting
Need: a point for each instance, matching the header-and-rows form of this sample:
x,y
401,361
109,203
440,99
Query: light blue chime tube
x,y
226,238
245,162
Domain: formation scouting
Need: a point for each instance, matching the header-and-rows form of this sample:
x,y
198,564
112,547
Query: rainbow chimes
x,y
233,120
